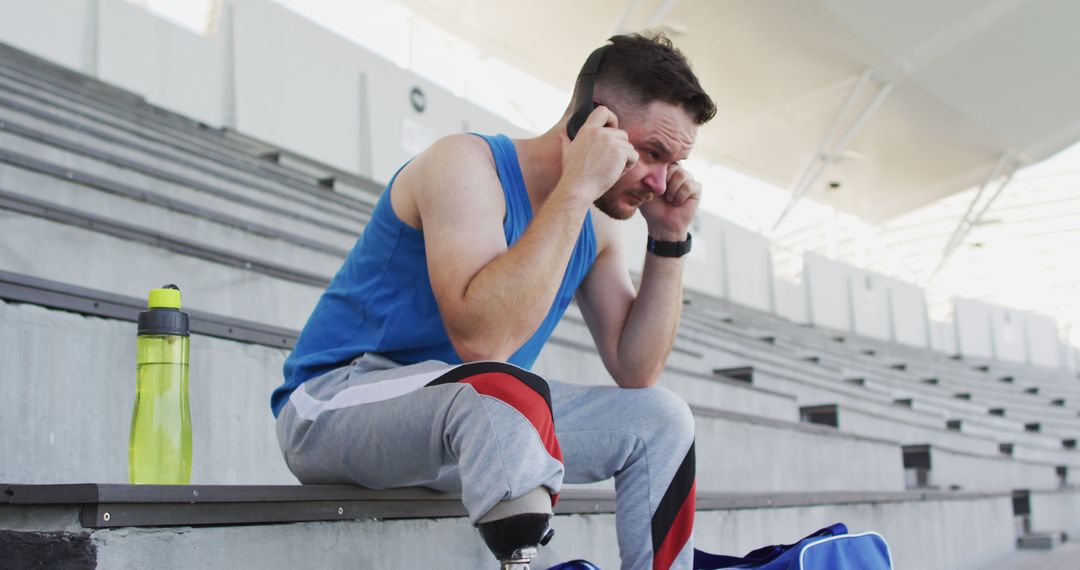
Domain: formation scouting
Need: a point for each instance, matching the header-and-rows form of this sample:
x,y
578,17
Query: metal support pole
x,y
826,153
994,174
624,21
92,40
661,13
228,44
213,18
965,225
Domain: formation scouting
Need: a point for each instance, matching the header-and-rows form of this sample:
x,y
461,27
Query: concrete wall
x,y
915,530
69,254
170,66
277,77
1056,510
870,314
921,534
58,30
322,96
943,337
70,386
1043,344
300,87
791,300
827,292
267,72
1007,327
705,269
973,328
726,261
907,309
975,472
748,273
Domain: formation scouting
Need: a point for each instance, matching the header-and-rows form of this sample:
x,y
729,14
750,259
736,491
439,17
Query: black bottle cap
x,y
164,316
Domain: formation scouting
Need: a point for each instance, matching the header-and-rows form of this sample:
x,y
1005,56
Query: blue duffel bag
x,y
830,548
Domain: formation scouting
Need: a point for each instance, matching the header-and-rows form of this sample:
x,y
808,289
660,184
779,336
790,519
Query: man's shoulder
x,y
460,148
455,172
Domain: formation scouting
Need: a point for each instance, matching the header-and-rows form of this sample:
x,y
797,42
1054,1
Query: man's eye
x,y
654,155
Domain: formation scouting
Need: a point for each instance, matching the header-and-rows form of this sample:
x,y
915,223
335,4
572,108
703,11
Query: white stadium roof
x,y
894,112
917,131
940,91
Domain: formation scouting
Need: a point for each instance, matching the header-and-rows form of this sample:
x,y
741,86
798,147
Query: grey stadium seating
x,y
103,196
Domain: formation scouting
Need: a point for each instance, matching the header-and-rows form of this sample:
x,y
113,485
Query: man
x,y
413,368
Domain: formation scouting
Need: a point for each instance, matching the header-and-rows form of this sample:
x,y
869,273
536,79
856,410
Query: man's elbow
x,y
478,348
636,381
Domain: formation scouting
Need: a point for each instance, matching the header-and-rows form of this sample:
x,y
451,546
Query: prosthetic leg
x,y
514,540
514,528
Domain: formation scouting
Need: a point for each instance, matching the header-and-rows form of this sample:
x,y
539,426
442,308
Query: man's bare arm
x,y
634,332
493,298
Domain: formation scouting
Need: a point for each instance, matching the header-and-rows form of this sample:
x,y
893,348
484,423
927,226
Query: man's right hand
x,y
597,157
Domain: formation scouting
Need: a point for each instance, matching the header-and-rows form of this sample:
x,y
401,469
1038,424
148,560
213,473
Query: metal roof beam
x,y
827,152
661,12
967,223
623,25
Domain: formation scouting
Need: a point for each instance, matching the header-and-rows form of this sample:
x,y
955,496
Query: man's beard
x,y
608,203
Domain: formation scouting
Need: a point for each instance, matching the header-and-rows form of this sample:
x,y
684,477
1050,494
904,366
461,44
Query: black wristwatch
x,y
669,248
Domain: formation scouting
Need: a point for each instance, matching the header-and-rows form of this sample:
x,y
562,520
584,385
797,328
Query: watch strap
x,y
669,248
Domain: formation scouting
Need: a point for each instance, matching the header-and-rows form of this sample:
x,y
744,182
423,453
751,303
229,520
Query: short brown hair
x,y
650,68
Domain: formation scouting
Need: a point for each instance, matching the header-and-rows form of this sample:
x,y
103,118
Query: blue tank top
x,y
381,299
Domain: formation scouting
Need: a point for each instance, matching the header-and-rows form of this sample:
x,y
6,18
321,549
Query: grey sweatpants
x,y
494,432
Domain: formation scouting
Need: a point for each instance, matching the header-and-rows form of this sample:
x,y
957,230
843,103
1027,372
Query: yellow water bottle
x,y
159,452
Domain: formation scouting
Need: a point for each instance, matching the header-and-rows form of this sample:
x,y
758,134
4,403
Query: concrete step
x,y
886,352
855,419
172,128
954,469
935,403
230,387
1059,421
1065,556
963,378
349,527
1069,458
148,123
991,393
564,359
271,240
751,453
1044,540
808,383
214,281
92,383
1056,509
346,183
68,158
211,148
1021,437
933,416
572,355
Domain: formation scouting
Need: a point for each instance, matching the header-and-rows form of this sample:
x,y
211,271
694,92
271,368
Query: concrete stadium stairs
x,y
103,196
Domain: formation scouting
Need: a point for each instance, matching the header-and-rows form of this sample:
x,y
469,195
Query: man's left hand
x,y
669,215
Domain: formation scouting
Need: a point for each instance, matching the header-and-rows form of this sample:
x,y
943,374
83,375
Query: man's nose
x,y
656,179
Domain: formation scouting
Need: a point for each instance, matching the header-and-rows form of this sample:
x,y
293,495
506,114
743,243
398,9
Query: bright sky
x,y
395,32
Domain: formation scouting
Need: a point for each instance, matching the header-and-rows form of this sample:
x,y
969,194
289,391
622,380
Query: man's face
x,y
663,134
